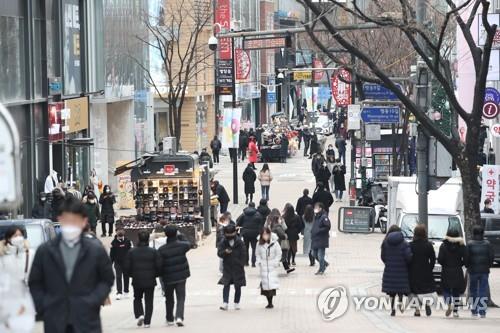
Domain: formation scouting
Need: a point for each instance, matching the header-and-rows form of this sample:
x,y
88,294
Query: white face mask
x,y
108,190
70,233
317,211
17,241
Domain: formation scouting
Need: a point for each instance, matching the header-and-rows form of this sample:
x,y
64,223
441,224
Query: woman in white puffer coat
x,y
268,255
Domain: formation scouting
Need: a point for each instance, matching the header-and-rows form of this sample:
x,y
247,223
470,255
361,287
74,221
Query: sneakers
x,y
237,306
125,295
319,273
474,316
140,321
455,314
118,297
290,270
448,311
483,316
147,326
179,322
170,323
224,307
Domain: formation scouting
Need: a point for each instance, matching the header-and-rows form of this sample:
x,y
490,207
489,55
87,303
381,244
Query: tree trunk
x,y
471,192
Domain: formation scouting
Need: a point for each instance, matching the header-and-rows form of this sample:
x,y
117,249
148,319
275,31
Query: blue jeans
x,y
451,296
319,254
478,287
338,194
265,191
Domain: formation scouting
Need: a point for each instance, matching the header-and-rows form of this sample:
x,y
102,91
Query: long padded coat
x,y
268,260
396,255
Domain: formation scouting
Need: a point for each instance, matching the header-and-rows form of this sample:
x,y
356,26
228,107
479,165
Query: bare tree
x,y
179,36
428,43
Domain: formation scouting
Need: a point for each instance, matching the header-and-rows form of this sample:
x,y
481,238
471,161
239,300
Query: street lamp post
x,y
233,105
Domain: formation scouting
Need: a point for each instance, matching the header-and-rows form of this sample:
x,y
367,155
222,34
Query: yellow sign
x,y
78,114
304,75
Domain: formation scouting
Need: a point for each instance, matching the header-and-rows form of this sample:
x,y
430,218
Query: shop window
x,y
12,74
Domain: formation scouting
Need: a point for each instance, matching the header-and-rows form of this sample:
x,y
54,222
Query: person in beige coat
x,y
265,178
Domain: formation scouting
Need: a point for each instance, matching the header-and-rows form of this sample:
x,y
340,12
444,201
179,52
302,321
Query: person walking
x,y
41,210
249,178
143,265
480,256
174,273
120,246
396,255
452,259
71,276
222,195
265,178
268,261
323,196
306,135
294,228
338,177
320,235
315,147
302,202
330,154
251,224
232,251
107,200
308,220
15,254
92,207
243,145
324,176
216,146
341,144
253,152
422,266
316,164
263,209
284,148
278,227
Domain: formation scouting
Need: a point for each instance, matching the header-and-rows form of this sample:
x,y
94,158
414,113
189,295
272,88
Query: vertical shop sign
x,y
223,21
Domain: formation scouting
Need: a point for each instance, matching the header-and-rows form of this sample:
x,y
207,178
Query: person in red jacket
x,y
253,151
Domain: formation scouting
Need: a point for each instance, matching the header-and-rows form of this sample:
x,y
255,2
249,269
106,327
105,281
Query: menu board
x,y
356,219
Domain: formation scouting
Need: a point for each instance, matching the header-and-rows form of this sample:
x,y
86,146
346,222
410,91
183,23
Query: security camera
x,y
212,43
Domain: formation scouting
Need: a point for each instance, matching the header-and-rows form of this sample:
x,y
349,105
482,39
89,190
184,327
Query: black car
x,y
36,231
491,224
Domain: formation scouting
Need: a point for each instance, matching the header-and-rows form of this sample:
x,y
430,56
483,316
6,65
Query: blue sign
x,y
380,114
271,90
491,95
377,92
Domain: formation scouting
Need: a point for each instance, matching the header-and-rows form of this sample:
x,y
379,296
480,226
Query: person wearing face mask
x,y
41,210
324,176
107,200
120,247
268,261
15,254
71,276
320,234
92,207
234,255
323,196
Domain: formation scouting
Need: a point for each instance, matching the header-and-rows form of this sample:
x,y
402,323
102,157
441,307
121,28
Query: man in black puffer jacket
x,y
251,224
175,271
479,259
143,265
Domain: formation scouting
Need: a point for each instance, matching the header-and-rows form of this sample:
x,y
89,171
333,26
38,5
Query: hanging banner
x,y
231,128
223,22
243,64
318,75
489,188
341,91
55,122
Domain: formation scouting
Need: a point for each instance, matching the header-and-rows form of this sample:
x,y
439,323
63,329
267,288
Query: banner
x,y
243,64
489,188
341,91
231,128
223,21
55,122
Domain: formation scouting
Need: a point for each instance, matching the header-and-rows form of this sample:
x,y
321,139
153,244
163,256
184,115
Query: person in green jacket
x,y
92,207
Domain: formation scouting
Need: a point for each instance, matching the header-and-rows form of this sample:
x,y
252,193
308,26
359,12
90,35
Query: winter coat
x,y
324,197
294,227
107,200
396,255
330,156
314,148
233,263
422,264
320,231
480,256
302,203
339,177
14,260
143,265
265,178
251,223
243,143
215,145
280,230
77,302
92,212
205,158
119,250
284,147
306,245
268,260
452,258
253,151
323,175
340,144
264,211
316,164
174,263
221,192
41,210
249,178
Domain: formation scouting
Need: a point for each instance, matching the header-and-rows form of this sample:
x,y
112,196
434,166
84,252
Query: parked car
x,y
491,224
36,231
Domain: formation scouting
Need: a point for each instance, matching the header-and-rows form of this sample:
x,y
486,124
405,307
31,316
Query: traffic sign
x,y
490,110
491,95
378,92
380,114
353,118
271,89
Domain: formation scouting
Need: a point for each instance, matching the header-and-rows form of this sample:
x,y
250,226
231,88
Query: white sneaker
x,y
125,295
170,323
147,326
179,322
140,321
474,316
224,307
455,315
237,306
118,297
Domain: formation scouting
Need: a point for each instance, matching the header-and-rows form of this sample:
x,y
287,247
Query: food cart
x,y
271,148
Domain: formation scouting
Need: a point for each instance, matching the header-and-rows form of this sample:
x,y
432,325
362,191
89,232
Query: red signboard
x,y
169,168
223,21
318,75
243,64
341,91
55,122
